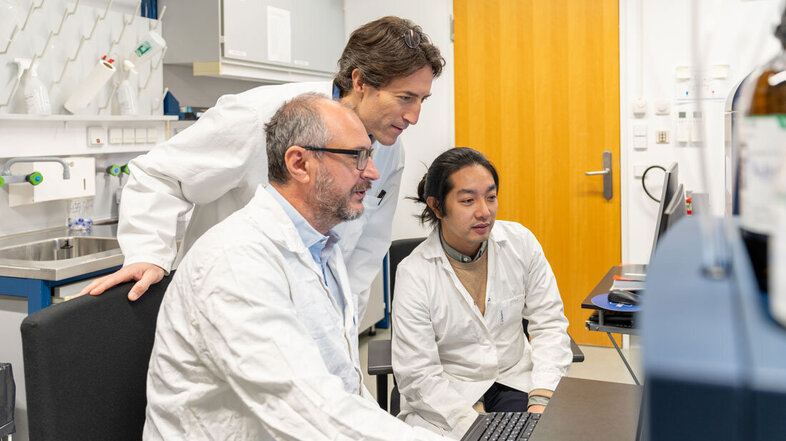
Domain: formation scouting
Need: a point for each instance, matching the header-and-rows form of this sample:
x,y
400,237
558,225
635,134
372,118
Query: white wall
x,y
434,132
655,38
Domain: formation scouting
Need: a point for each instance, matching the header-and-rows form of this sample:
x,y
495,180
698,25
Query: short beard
x,y
331,205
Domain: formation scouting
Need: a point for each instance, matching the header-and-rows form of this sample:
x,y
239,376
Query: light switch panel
x,y
96,136
129,136
140,135
115,135
152,135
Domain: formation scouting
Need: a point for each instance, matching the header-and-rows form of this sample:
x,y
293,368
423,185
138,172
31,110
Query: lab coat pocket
x,y
511,309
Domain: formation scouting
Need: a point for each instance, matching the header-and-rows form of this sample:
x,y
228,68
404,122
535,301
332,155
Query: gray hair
x,y
297,122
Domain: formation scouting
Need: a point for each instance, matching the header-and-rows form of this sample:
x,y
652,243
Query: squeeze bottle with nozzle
x,y
36,95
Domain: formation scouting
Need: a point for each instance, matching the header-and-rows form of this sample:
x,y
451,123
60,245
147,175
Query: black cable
x,y
644,186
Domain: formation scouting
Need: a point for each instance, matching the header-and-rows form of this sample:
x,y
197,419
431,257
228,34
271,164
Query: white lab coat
x,y
446,354
251,345
216,165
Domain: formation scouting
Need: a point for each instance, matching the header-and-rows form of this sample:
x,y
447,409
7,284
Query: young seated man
x,y
459,303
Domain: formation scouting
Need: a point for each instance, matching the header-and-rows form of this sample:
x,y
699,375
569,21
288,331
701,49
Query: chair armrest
x,y
379,357
578,355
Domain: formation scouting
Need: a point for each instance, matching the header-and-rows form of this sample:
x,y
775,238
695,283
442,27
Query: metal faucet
x,y
34,178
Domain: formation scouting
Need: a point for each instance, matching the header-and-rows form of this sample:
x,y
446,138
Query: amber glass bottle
x,y
762,155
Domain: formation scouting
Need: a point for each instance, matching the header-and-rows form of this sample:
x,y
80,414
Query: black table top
x,y
590,410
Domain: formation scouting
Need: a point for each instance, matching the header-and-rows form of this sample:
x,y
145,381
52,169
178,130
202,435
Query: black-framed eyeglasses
x,y
412,38
362,155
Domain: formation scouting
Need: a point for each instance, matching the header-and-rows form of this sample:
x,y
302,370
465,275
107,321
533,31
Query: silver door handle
x,y
608,177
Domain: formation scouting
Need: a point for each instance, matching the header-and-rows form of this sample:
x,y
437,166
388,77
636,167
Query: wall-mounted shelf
x,y
85,118
269,73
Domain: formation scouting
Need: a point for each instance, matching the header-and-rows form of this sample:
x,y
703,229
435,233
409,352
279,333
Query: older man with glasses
x,y
256,336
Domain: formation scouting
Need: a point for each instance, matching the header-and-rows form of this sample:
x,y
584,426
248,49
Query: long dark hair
x,y
436,182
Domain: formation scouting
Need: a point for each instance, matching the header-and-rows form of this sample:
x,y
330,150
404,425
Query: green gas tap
x,y
33,178
114,170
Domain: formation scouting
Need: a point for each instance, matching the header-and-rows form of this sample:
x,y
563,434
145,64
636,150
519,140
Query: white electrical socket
x,y
662,107
639,107
640,142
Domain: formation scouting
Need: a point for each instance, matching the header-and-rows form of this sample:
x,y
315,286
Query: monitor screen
x,y
676,209
670,183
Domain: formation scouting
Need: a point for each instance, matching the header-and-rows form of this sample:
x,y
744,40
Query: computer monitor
x,y
676,209
670,184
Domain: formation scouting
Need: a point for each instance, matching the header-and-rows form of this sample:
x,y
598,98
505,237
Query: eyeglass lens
x,y
363,156
412,39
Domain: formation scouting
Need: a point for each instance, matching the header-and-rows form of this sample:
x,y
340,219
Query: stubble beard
x,y
332,205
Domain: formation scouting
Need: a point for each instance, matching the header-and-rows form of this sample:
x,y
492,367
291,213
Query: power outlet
x,y
661,137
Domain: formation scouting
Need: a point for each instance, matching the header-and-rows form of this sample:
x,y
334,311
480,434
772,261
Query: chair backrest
x,y
399,249
85,363
7,400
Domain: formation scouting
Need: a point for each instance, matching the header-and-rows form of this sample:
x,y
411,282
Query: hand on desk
x,y
144,273
536,408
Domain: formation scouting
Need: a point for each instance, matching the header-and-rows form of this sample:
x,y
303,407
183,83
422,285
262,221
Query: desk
x,y
589,410
602,325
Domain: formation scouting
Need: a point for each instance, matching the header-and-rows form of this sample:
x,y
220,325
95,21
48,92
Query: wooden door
x,y
537,90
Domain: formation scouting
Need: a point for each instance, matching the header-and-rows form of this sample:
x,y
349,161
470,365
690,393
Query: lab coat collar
x,y
282,232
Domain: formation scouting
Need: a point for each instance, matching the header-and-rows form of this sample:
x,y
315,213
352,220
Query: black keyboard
x,y
502,426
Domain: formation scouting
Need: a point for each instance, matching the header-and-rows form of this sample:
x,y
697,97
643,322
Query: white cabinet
x,y
263,40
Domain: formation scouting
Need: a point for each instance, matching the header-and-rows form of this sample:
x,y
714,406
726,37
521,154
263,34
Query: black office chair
x,y
86,365
7,401
379,359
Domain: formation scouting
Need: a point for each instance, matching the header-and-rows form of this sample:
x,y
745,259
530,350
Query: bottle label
x,y
762,150
143,48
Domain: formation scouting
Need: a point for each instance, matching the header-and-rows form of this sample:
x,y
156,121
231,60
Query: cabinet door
x,y
302,34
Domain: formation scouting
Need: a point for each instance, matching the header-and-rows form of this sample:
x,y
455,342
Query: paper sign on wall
x,y
279,35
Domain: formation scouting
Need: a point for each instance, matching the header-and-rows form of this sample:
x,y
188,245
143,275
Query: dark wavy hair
x,y
436,182
381,54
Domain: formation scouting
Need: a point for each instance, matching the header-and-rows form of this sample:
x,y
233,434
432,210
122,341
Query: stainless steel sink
x,y
58,253
59,248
